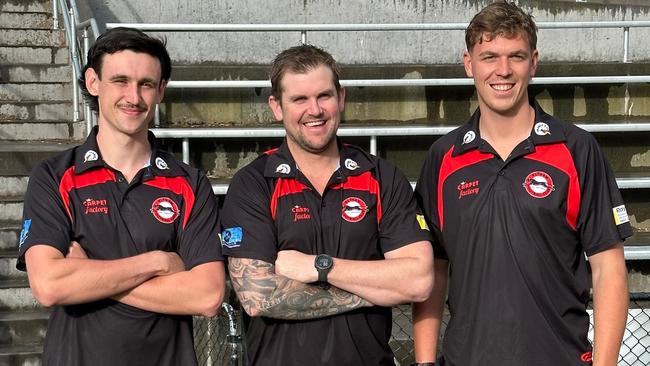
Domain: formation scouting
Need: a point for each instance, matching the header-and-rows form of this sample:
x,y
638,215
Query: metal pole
x,y
55,14
186,150
75,85
303,37
373,145
156,116
626,44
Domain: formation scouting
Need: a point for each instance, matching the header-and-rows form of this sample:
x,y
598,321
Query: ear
x,y
276,108
467,62
535,60
92,81
161,90
341,95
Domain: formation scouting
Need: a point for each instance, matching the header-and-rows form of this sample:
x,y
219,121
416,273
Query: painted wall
x,y
413,47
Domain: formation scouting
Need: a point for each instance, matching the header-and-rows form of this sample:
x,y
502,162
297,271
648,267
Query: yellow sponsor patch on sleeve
x,y
620,215
422,222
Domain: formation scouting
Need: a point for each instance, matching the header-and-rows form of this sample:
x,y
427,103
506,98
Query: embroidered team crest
x,y
539,184
90,155
354,209
469,137
351,164
542,129
161,164
283,169
165,210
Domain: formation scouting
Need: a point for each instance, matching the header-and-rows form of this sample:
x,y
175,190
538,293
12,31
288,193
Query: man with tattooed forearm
x,y
321,237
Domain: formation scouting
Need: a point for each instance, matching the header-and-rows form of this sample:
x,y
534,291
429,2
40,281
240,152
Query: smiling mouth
x,y
502,87
314,123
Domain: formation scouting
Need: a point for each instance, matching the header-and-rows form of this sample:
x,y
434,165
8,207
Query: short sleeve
x,y
248,230
399,225
603,220
426,196
199,240
45,217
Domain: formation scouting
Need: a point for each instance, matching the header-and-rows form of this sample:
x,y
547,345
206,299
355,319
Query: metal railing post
x,y
303,37
186,150
55,14
626,44
75,76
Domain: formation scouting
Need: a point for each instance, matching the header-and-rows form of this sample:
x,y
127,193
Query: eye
x,y
148,85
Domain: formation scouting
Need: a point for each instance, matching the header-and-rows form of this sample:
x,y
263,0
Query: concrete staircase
x,y
35,122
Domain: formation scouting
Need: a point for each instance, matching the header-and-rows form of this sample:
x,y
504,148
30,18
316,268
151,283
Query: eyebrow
x,y
124,77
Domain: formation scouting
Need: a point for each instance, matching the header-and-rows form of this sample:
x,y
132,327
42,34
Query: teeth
x,y
502,87
314,123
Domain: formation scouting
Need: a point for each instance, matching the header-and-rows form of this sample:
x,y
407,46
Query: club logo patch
x,y
165,210
469,137
351,164
539,184
468,188
161,164
283,169
300,213
542,129
232,237
620,215
24,233
90,155
354,209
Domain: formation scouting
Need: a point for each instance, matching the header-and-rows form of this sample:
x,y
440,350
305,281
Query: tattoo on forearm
x,y
262,292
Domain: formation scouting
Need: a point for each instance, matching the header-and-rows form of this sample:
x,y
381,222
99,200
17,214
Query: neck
x,y
127,154
316,167
497,127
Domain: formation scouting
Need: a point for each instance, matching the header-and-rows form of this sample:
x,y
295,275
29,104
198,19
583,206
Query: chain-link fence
x,y
219,341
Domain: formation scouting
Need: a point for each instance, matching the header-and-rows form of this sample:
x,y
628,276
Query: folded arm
x,y
262,292
609,280
198,291
405,275
59,280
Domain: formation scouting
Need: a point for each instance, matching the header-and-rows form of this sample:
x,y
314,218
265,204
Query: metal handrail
x,y
72,24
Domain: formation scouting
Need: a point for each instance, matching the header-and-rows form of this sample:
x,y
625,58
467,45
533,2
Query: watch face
x,y
323,261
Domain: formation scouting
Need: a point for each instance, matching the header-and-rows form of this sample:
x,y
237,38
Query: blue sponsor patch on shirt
x,y
232,237
25,232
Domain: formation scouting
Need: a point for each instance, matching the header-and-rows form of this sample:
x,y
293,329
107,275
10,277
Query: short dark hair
x,y
120,39
501,19
300,59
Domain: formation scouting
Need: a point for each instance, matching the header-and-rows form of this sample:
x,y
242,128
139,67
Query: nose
x,y
132,93
314,108
503,67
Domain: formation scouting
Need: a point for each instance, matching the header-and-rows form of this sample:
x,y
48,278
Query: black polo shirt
x,y
366,210
168,206
516,234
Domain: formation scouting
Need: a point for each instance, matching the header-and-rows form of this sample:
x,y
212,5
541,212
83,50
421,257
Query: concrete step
x,y
34,55
25,112
35,92
8,269
11,211
13,186
35,6
23,328
32,37
25,355
62,131
18,158
36,74
15,296
23,20
9,233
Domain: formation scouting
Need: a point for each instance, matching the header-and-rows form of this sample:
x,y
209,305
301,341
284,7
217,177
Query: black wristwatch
x,y
323,264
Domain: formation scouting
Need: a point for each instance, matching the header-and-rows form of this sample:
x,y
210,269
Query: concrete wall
x,y
413,47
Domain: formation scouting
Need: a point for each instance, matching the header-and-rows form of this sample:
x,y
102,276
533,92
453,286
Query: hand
x,y
172,263
296,266
76,251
